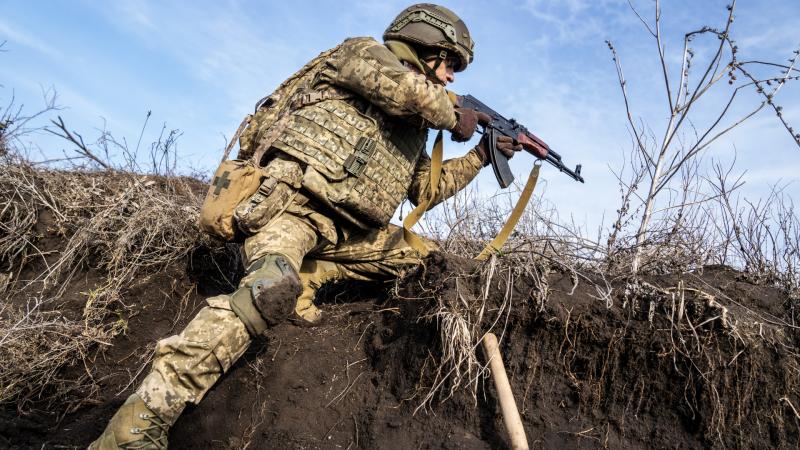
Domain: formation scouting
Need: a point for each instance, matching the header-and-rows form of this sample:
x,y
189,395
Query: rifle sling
x,y
436,171
519,208
413,217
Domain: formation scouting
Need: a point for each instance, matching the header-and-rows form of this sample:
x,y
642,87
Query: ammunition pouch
x,y
275,193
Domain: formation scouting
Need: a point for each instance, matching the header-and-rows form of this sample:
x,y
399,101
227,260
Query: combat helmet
x,y
433,30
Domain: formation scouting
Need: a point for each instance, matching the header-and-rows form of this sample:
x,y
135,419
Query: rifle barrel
x,y
574,174
511,127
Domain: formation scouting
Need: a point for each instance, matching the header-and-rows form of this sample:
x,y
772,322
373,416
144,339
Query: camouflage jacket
x,y
359,123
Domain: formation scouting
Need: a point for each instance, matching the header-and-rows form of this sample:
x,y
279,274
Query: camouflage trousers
x,y
187,365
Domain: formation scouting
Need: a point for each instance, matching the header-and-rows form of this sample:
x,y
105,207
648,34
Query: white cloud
x,y
224,45
578,20
556,75
137,12
15,36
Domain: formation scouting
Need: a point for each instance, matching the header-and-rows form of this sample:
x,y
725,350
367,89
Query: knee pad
x,y
267,294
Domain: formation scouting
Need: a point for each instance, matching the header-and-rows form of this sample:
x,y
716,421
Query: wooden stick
x,y
508,406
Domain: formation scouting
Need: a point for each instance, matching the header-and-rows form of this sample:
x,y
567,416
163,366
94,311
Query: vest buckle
x,y
357,161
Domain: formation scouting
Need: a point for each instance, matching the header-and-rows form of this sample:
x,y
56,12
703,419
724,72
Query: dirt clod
x,y
692,360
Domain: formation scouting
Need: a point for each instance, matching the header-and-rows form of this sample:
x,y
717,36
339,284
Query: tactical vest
x,y
360,161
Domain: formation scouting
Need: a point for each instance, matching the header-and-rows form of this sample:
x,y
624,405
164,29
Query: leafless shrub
x,y
539,246
109,153
663,160
762,237
125,226
16,124
684,236
36,345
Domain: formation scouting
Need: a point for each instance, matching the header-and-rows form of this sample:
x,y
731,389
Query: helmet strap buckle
x,y
430,72
439,60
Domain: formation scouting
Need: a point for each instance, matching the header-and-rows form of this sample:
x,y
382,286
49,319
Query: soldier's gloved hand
x,y
506,145
468,120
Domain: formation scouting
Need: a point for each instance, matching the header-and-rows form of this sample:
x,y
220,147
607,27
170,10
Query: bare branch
x,y
622,85
141,133
661,57
78,142
641,19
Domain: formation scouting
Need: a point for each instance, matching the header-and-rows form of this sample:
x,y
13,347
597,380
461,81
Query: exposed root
x,y
708,351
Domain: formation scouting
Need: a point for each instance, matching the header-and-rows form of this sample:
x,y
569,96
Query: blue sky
x,y
200,66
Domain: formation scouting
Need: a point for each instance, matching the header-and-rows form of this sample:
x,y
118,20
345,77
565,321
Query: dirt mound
x,y
703,359
585,373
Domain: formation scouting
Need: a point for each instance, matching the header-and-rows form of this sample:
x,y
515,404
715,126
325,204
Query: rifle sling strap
x,y
519,208
413,217
436,171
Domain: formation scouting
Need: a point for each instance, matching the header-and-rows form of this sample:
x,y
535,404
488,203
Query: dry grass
x,y
123,226
126,226
463,314
36,345
713,346
684,346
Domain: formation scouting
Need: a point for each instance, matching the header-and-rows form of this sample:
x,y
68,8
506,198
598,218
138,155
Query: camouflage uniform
x,y
321,239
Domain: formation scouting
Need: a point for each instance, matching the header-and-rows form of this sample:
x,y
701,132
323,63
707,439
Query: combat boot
x,y
313,274
306,313
134,426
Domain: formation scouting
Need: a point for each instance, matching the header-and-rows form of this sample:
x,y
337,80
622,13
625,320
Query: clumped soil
x,y
693,360
584,375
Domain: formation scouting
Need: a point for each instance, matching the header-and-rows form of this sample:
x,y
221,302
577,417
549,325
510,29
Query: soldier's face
x,y
445,73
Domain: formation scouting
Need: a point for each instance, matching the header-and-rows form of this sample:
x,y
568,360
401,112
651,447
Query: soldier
x,y
343,152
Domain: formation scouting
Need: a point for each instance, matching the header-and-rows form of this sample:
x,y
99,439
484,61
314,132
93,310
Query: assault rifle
x,y
514,130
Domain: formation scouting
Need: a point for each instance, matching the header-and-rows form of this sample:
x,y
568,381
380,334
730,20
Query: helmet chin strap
x,y
430,72
407,54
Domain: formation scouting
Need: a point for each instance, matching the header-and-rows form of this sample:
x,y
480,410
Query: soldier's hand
x,y
506,145
468,120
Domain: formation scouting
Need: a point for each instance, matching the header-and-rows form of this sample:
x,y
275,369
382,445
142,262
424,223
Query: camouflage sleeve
x,y
456,174
368,68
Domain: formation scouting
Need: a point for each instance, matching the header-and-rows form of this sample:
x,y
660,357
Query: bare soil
x,y
586,372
